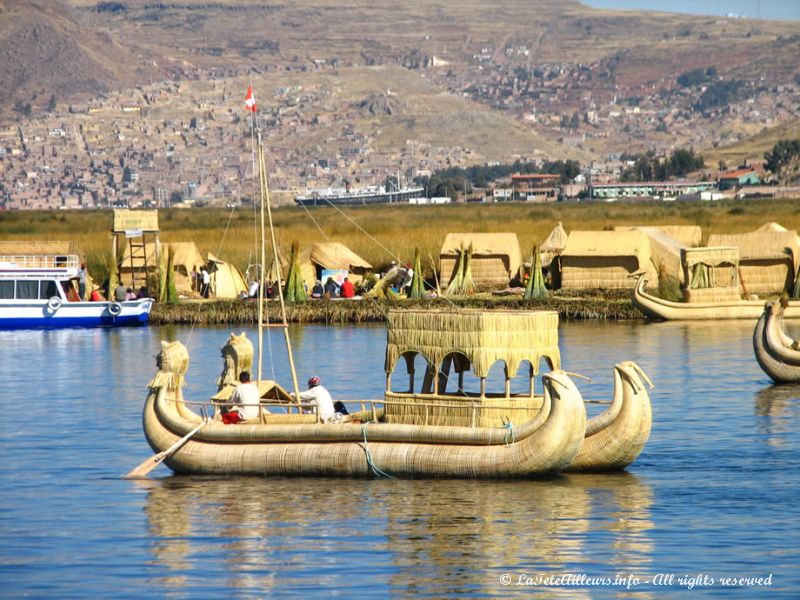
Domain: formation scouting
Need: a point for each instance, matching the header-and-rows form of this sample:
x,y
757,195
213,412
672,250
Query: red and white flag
x,y
250,99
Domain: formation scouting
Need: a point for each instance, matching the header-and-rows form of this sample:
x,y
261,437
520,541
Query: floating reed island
x,y
611,305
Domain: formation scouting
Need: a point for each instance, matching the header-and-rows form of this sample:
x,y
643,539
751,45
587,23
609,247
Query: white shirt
x,y
206,277
322,398
246,399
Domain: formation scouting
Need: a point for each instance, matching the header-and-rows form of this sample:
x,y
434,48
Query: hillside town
x,y
188,142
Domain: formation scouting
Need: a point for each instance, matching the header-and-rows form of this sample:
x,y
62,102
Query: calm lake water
x,y
715,493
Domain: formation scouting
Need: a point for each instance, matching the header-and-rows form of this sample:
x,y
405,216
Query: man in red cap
x,y
317,394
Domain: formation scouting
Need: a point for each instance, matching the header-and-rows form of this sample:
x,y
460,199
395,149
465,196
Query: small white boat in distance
x,y
33,294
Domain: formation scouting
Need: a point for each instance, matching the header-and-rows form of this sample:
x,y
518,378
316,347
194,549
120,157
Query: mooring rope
x,y
375,469
509,427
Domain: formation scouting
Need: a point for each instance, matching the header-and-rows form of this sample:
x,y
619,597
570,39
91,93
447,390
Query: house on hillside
x,y
738,178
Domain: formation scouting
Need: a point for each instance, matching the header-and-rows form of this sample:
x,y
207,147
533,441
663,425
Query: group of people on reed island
x,y
245,400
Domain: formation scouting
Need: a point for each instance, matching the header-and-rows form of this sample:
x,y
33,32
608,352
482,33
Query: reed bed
x,y
398,229
570,306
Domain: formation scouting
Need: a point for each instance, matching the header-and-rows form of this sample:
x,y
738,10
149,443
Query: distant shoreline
x,y
746,9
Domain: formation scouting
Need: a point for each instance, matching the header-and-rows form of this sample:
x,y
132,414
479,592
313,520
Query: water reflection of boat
x,y
776,352
447,535
666,310
776,402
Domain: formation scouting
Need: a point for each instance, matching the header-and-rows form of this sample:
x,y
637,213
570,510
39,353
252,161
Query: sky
x,y
765,9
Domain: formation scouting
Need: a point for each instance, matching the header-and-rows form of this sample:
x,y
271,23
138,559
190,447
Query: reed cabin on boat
x,y
455,343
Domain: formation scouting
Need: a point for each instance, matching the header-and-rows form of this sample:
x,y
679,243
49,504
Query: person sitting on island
x,y
130,294
331,289
120,293
244,401
317,290
347,290
318,395
252,290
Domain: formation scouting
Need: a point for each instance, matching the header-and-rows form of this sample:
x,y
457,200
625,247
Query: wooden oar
x,y
151,463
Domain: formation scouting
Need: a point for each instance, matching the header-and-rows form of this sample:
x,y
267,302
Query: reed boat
x,y
424,432
666,310
776,352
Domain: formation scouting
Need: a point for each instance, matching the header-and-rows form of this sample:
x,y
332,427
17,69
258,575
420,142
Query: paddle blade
x,y
143,469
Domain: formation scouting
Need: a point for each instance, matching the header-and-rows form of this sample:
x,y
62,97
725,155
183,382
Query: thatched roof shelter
x,y
327,255
553,245
226,279
768,259
665,250
186,256
496,258
482,337
606,259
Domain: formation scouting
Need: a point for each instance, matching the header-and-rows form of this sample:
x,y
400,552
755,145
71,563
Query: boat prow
x,y
776,353
666,310
616,437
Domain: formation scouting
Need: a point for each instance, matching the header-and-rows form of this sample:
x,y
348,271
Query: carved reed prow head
x,y
172,363
237,356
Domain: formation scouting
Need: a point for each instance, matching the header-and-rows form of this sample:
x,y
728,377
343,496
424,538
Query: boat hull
x,y
616,437
665,310
773,349
37,314
547,444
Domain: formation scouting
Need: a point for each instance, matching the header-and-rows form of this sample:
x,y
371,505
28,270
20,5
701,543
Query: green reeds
x,y
171,291
295,290
535,288
461,284
417,284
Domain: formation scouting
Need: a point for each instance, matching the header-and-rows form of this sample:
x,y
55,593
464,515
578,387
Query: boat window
x,y
47,290
27,290
6,290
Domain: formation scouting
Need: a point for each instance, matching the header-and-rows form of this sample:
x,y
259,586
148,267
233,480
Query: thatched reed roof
x,y
761,244
483,337
687,235
711,256
335,255
556,240
496,258
665,250
185,254
226,279
36,248
606,259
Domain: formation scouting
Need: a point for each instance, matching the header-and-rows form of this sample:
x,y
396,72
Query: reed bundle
x,y
417,284
295,290
535,288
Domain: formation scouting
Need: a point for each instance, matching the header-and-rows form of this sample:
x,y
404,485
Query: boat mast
x,y
262,176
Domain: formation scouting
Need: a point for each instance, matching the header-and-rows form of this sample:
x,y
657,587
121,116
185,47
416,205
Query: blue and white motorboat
x,y
35,293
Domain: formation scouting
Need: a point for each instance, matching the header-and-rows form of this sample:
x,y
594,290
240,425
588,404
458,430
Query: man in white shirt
x,y
318,395
245,398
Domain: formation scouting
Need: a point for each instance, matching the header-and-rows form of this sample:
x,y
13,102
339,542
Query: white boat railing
x,y
20,266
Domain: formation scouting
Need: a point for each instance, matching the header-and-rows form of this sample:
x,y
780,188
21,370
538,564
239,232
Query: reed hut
x,y
462,341
665,250
553,245
768,260
496,258
606,259
226,279
329,256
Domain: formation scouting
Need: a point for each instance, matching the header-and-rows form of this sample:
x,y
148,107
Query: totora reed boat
x,y
434,425
424,431
666,310
776,352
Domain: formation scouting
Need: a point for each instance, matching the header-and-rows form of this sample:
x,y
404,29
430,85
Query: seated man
x,y
244,401
318,395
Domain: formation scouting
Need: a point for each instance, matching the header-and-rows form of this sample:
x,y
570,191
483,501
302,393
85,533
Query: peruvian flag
x,y
250,99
